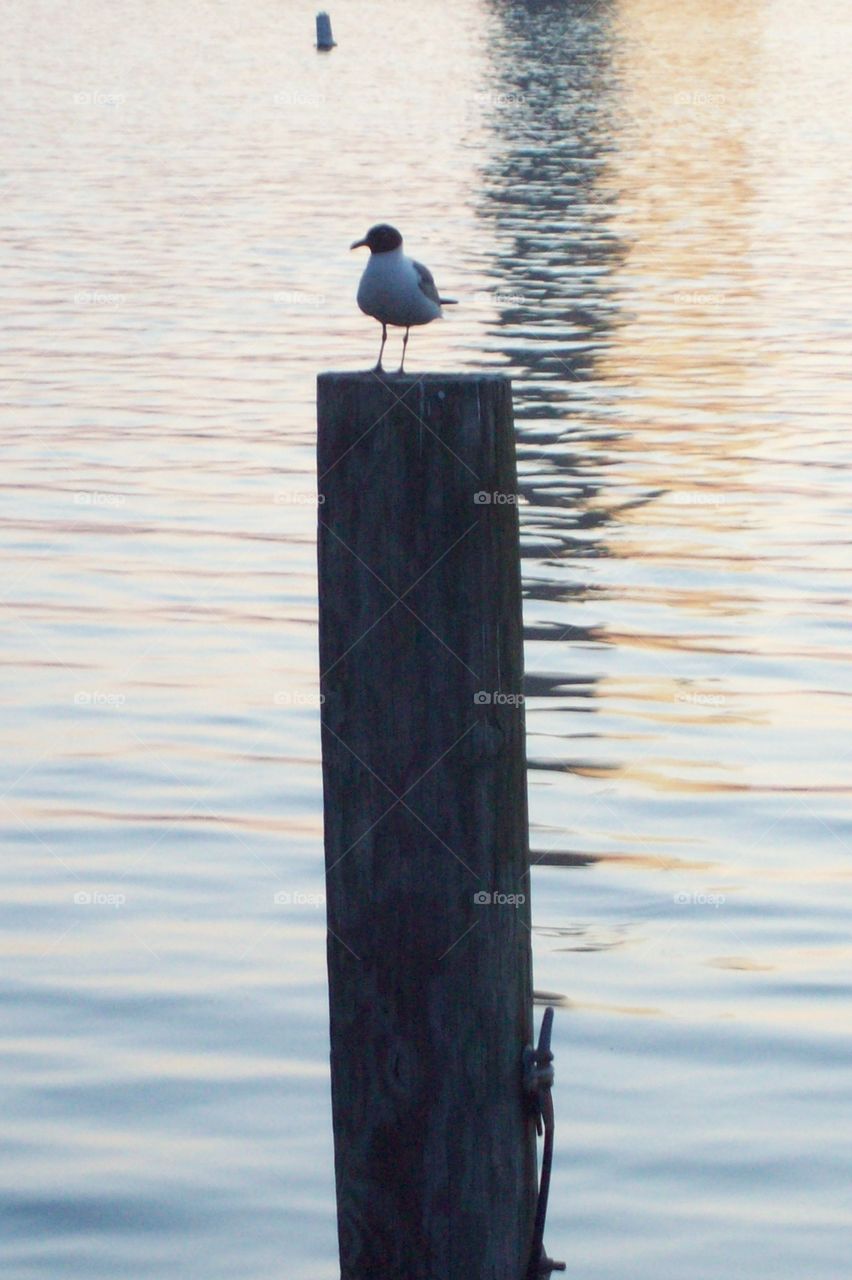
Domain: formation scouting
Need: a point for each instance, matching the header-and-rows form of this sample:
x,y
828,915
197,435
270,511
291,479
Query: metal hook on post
x,y
538,1078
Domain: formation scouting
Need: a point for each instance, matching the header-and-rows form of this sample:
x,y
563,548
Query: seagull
x,y
395,289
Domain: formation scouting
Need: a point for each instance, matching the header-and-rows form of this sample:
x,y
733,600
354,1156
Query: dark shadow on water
x,y
545,199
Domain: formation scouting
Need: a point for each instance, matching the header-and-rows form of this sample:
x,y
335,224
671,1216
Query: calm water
x,y
644,208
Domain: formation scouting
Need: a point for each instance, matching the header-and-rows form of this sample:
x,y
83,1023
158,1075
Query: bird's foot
x,y
379,368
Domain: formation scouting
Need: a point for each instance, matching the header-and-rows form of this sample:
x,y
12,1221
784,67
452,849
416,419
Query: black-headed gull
x,y
395,289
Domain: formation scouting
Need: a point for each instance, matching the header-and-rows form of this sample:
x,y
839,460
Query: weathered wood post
x,y
426,848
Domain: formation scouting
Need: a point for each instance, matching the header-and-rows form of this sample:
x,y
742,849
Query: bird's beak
x,y
356,244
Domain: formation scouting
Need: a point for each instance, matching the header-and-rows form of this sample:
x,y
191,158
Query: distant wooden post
x,y
425,826
325,40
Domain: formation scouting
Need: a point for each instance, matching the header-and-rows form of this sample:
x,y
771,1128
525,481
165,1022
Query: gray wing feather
x,y
427,282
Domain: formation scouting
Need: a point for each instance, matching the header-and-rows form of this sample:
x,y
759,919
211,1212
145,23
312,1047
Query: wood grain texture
x,y
425,806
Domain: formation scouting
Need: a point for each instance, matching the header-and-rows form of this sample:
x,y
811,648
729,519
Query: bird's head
x,y
380,239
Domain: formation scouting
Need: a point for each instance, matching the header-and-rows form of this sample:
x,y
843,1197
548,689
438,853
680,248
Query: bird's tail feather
x,y
449,302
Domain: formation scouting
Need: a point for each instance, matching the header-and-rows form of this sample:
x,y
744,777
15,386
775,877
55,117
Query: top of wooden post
x,y
400,379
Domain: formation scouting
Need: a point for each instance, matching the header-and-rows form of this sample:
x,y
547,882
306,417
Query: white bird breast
x,y
390,291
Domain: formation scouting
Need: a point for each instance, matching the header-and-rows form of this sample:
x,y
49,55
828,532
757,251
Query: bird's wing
x,y
426,281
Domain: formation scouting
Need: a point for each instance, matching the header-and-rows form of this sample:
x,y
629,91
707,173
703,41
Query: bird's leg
x,y
378,368
404,345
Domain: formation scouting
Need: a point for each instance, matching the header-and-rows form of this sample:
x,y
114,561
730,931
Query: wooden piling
x,y
426,839
325,40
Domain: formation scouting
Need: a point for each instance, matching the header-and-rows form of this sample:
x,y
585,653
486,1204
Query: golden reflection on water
x,y
710,375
